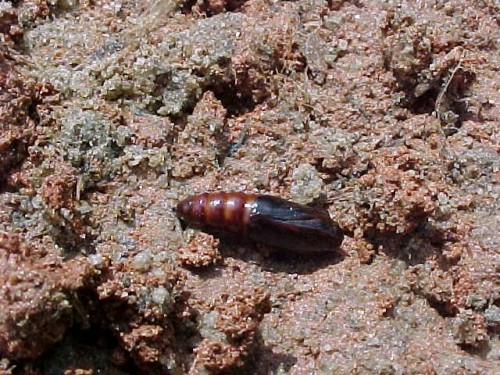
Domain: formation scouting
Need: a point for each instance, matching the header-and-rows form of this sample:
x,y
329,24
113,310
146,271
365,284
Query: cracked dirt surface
x,y
384,113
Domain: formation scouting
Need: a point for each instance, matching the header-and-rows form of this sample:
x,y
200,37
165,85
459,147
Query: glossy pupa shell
x,y
264,219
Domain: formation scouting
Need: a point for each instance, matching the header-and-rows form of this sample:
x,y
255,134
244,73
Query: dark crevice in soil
x,y
480,350
187,7
445,98
424,103
268,360
445,309
92,348
400,247
18,151
207,8
235,102
12,160
95,329
337,5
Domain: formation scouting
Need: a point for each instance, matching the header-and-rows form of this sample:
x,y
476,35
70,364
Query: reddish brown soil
x,y
384,113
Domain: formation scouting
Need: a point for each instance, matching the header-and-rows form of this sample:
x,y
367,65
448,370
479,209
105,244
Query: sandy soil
x,y
384,113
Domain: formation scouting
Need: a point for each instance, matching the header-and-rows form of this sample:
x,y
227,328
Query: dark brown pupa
x,y
264,219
